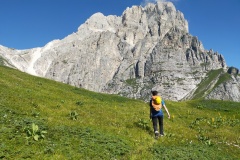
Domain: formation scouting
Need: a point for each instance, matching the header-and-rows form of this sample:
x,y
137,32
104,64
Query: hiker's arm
x,y
165,107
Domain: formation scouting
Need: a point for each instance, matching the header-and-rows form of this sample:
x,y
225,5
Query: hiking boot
x,y
156,134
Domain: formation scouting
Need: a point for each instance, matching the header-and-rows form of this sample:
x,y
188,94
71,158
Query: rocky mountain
x,y
146,48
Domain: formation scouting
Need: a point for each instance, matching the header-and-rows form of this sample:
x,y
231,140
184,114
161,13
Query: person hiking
x,y
156,113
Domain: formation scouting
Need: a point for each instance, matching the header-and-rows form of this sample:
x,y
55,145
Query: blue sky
x,y
33,23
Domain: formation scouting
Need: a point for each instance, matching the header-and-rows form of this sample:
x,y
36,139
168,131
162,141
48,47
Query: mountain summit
x,y
144,49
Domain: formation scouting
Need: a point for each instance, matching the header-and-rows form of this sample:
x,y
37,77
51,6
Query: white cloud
x,y
145,2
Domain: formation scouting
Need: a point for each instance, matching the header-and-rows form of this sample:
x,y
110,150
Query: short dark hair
x,y
154,93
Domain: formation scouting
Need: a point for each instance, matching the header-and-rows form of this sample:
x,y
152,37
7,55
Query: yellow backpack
x,y
157,102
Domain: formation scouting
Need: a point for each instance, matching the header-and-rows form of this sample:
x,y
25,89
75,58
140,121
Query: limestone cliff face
x,y
144,49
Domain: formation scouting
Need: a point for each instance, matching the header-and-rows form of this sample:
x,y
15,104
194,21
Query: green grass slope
x,y
206,85
44,119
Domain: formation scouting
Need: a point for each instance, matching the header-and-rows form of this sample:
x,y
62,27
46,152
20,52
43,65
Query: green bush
x,y
34,132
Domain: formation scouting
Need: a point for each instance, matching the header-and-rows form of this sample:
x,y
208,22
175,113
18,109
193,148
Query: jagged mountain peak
x,y
97,22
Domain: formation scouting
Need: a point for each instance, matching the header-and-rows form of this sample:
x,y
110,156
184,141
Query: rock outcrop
x,y
229,90
233,71
146,48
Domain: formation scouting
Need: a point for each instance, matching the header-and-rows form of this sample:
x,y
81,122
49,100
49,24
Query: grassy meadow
x,y
43,119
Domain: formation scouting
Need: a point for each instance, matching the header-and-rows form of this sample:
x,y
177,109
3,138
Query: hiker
x,y
156,113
